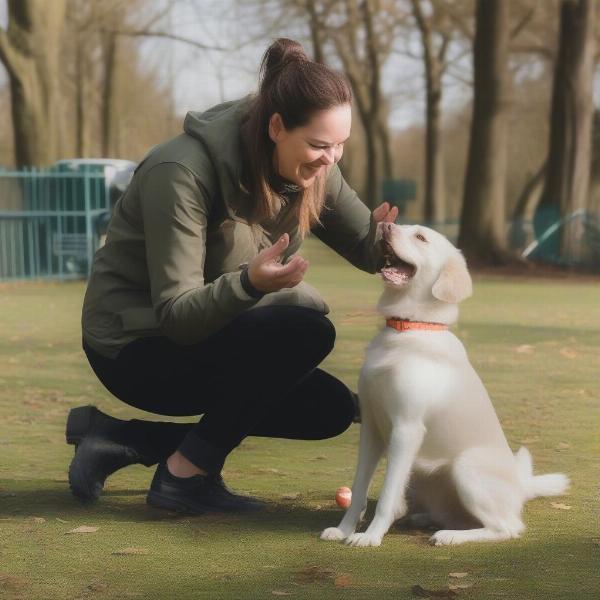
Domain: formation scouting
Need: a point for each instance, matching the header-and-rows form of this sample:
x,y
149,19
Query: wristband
x,y
247,284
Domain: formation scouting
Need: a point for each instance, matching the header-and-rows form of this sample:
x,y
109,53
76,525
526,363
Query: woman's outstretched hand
x,y
383,213
266,274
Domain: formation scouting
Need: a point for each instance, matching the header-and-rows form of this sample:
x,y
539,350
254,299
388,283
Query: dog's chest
x,y
401,370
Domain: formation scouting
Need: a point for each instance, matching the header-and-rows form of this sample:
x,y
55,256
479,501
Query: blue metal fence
x,y
48,221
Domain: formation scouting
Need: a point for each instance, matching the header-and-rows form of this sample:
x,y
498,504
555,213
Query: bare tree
x,y
30,50
105,85
482,229
362,33
434,58
568,173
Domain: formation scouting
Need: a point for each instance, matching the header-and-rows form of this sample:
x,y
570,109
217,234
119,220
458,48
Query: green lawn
x,y
536,345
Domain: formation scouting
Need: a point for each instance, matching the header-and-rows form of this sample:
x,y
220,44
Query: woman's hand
x,y
383,213
266,274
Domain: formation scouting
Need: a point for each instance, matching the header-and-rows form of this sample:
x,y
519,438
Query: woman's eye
x,y
421,237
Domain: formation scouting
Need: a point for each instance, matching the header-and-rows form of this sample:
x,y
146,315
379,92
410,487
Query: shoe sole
x,y
79,423
158,500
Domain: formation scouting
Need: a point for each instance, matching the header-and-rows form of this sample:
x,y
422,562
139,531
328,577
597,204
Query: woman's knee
x,y
303,326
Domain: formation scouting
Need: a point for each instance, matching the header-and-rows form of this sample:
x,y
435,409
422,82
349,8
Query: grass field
x,y
535,343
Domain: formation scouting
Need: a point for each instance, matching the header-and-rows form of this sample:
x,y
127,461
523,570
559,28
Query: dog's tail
x,y
553,484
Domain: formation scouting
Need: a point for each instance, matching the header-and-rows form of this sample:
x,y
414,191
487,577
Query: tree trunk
x,y
569,161
435,190
482,229
30,51
109,97
316,31
80,94
363,69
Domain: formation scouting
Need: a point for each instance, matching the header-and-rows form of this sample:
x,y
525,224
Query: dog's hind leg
x,y
369,453
405,441
489,498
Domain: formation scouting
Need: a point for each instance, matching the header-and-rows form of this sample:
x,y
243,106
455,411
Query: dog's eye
x,y
421,237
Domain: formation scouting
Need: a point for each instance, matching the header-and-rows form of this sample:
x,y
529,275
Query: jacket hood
x,y
218,129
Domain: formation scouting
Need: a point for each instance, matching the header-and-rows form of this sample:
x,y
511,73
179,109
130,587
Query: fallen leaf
x,y
457,575
560,506
127,551
96,586
293,496
568,353
313,573
459,586
342,581
83,529
421,592
525,349
531,440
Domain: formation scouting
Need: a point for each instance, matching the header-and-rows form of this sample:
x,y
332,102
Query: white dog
x,y
448,462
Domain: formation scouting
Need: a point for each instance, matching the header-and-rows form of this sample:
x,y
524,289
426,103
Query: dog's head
x,y
422,261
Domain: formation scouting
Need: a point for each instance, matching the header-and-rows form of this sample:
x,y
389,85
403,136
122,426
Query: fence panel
x,y
48,222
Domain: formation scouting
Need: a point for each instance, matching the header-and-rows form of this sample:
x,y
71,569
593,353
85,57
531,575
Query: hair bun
x,y
281,53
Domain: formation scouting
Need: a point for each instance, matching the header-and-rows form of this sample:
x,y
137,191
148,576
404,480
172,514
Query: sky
x,y
202,78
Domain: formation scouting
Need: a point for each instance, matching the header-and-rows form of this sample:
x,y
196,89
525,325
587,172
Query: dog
x,y
423,405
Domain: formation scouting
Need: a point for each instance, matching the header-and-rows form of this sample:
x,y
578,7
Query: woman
x,y
196,303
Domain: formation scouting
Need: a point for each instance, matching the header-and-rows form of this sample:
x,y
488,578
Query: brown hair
x,y
295,87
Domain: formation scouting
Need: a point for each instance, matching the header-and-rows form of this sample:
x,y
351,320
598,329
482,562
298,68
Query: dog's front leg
x,y
405,441
369,453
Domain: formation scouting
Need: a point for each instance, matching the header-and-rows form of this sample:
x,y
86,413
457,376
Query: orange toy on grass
x,y
343,497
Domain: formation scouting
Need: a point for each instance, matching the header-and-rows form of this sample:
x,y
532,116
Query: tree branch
x,y
169,36
523,22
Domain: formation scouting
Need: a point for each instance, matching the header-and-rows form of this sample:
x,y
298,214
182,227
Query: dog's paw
x,y
363,539
445,537
333,534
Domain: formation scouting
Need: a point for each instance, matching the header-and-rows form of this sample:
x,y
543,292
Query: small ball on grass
x,y
343,496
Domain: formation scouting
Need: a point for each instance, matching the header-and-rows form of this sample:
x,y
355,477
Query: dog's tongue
x,y
397,274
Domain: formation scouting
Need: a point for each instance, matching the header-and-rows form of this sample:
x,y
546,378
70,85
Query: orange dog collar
x,y
406,325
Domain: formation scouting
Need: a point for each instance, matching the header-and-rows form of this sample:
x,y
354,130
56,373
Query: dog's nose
x,y
386,230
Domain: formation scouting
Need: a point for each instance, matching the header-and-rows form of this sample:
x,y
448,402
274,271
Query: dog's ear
x,y
454,283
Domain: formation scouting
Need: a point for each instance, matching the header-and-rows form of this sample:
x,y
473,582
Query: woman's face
x,y
304,152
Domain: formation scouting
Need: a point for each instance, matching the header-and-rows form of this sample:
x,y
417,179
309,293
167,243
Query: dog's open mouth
x,y
395,270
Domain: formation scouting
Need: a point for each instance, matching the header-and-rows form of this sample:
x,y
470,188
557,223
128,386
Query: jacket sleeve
x,y
347,225
175,208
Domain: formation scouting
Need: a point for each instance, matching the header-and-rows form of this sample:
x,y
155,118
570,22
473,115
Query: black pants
x,y
256,376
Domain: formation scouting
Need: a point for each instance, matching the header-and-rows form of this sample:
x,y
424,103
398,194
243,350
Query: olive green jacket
x,y
177,239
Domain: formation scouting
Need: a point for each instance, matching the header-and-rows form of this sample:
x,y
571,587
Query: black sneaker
x,y
96,455
197,494
95,459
